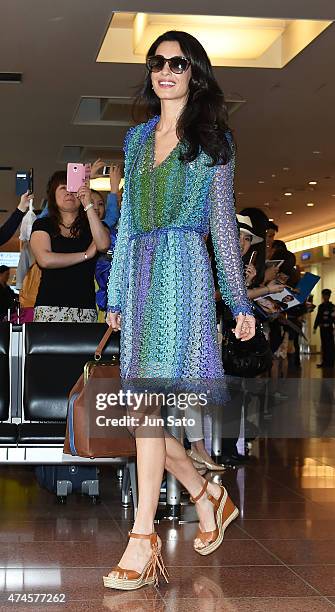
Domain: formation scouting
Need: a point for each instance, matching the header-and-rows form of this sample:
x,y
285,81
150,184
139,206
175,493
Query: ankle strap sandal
x,y
130,580
224,513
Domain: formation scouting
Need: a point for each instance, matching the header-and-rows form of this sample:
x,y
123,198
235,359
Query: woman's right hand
x,y
24,201
115,177
96,168
114,319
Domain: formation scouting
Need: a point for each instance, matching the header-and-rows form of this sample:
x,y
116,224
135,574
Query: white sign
x,y
9,259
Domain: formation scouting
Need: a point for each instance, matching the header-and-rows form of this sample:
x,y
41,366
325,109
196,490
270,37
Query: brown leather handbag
x,y
89,433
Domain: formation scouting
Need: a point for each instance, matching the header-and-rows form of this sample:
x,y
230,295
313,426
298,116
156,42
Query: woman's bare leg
x,y
151,458
181,466
153,455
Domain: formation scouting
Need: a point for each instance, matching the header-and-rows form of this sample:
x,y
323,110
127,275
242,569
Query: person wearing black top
x,y
65,245
325,320
8,229
7,295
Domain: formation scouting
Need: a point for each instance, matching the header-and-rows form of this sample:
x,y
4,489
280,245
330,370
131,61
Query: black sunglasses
x,y
177,64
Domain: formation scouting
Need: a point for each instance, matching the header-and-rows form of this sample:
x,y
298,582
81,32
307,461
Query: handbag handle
x,y
102,343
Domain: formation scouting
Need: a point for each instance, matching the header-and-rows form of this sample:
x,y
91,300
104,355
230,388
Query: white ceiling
x,y
288,113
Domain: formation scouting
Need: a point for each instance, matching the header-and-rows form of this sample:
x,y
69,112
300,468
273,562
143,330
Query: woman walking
x,y
179,170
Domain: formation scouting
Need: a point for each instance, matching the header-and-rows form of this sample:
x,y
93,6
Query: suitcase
x,y
63,479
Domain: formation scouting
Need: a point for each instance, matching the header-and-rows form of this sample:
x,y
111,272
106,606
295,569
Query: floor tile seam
x,y
283,564
242,597
287,540
103,567
326,598
104,506
281,518
3,542
300,495
319,564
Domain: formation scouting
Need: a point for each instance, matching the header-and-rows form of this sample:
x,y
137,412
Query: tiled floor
x,y
278,556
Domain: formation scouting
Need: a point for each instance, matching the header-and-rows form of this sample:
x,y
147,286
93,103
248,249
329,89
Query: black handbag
x,y
246,359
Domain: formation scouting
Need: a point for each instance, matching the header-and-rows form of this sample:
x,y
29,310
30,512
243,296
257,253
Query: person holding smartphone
x,y
179,169
65,245
8,229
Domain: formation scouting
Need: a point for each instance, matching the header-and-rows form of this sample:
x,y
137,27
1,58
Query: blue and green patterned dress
x,y
161,279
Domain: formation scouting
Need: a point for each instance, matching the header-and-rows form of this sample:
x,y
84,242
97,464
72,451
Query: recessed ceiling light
x,y
266,203
288,193
261,182
273,175
289,212
286,168
240,193
316,152
310,204
312,182
333,195
271,219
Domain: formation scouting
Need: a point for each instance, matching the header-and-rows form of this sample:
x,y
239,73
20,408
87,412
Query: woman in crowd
x,y
65,245
178,184
8,229
110,217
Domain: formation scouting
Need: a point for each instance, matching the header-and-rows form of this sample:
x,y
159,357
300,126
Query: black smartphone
x,y
24,181
106,171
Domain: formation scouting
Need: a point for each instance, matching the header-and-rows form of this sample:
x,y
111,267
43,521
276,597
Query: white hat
x,y
245,226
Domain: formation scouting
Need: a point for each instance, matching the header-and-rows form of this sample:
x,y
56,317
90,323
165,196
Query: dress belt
x,y
164,230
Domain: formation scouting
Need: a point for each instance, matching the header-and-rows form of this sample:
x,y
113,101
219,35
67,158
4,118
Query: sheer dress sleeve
x,y
226,242
118,275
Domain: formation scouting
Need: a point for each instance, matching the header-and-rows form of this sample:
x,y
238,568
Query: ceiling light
x,y
273,175
312,182
266,203
289,212
310,204
229,41
286,168
261,182
288,193
271,219
316,152
240,193
312,241
102,183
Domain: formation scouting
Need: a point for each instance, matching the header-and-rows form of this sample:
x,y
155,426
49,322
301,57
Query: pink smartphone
x,y
76,177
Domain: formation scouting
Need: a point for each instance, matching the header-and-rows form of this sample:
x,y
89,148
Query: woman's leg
x,y
180,465
153,455
151,458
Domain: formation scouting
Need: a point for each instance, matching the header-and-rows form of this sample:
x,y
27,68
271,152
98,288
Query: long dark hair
x,y
203,124
80,222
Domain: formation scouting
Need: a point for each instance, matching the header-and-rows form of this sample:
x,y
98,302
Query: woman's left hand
x,y
84,195
245,327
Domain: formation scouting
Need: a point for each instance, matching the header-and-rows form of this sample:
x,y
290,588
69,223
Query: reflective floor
x,y
278,556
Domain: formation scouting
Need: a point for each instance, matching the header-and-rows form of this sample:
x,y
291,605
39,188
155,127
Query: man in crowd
x,y
271,231
325,320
